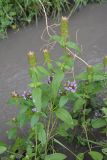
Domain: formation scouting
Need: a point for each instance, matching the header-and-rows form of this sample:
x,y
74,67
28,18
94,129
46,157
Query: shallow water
x,y
91,24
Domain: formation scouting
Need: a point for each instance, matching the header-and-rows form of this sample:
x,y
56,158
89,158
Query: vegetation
x,y
59,106
19,12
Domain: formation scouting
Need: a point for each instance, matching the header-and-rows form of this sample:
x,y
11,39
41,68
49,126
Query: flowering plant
x,y
58,105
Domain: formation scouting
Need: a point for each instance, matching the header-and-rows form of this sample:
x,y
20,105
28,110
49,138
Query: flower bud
x,y
105,61
46,56
14,94
90,69
31,59
13,119
64,28
90,72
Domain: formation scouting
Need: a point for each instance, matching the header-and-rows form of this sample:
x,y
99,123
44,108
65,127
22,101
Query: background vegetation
x,y
18,12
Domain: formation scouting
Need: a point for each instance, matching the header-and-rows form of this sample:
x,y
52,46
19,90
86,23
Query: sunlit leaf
x,y
96,155
80,156
98,123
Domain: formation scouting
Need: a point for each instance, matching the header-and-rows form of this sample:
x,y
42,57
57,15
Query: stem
x,y
97,143
21,8
46,19
13,153
55,140
48,128
73,10
92,148
85,129
75,56
86,133
36,147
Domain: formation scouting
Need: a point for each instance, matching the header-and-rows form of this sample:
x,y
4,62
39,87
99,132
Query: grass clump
x,y
19,12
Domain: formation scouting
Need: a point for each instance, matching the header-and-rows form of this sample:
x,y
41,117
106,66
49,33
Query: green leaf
x,y
63,100
41,133
55,156
73,45
2,149
98,123
13,101
104,150
29,149
104,111
22,119
34,119
12,133
62,130
2,143
78,105
23,109
59,39
105,101
58,77
43,70
37,98
35,84
96,155
80,156
69,44
65,116
81,76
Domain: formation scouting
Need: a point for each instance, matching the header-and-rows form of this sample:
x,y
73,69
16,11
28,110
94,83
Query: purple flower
x,y
50,78
70,86
26,94
34,110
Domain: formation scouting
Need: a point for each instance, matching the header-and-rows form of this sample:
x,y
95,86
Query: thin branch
x,y
75,56
46,18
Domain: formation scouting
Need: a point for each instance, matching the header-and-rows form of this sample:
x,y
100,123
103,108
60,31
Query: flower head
x,y
50,78
70,86
26,94
34,110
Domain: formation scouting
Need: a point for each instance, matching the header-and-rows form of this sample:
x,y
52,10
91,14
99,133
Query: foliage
x,y
85,2
61,106
14,13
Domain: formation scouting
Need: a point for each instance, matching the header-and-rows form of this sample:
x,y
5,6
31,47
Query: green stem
x,y
36,147
48,128
97,143
55,140
86,133
85,128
